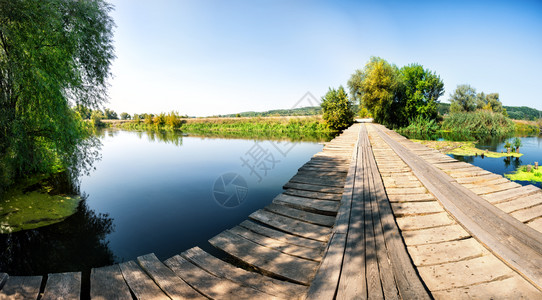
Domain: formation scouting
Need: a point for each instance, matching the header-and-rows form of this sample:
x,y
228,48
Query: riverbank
x,y
226,125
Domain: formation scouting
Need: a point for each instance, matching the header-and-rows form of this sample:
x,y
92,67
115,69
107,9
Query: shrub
x,y
338,113
480,121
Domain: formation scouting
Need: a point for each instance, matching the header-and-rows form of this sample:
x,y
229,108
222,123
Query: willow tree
x,y
54,54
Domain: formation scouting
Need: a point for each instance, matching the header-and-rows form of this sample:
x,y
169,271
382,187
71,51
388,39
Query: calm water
x,y
160,193
531,149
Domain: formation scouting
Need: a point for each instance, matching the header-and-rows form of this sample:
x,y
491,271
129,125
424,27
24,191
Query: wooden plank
x,y
520,203
528,214
311,205
446,252
321,181
435,235
3,279
489,188
108,283
292,226
417,222
464,273
513,287
312,187
416,208
479,179
511,194
298,214
265,259
166,279
325,282
21,287
303,252
63,286
411,198
219,268
283,236
209,285
406,191
313,195
141,285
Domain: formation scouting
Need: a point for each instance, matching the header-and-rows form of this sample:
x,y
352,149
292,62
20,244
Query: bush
x,y
159,119
480,121
172,120
96,118
338,113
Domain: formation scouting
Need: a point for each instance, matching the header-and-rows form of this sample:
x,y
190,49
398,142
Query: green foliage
x,y
443,108
173,120
490,102
420,126
302,111
523,113
148,119
338,113
422,88
463,99
83,111
96,118
393,96
125,116
480,121
517,143
110,114
53,53
159,119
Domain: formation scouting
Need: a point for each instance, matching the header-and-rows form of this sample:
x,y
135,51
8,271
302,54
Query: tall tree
x,y
53,54
337,109
490,102
377,86
463,99
422,88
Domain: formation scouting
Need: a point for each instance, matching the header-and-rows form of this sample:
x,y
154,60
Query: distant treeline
x,y
514,112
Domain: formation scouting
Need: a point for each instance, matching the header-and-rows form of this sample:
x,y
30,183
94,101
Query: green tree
x,y
110,114
490,102
96,118
422,88
378,88
83,111
463,99
54,54
125,116
337,109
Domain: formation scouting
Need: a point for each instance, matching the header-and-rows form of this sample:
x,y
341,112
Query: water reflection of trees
x,y
514,161
269,135
76,244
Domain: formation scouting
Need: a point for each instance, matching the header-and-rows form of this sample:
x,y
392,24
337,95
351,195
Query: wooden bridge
x,y
372,216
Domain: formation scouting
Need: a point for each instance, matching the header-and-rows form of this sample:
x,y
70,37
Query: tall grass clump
x,y
480,122
420,125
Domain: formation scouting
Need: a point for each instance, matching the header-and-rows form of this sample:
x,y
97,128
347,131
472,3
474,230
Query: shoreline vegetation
x,y
464,148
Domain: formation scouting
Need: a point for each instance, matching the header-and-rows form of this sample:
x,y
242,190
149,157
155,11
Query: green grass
x,y
480,122
522,174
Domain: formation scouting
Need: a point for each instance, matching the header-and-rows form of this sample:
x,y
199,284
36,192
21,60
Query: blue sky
x,y
203,58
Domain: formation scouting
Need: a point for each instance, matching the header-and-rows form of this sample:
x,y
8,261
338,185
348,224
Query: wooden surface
x,y
63,286
21,287
141,285
108,283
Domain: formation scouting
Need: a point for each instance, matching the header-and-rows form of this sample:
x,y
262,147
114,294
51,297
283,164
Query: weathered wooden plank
x,y
141,285
303,252
484,182
209,285
3,279
302,215
324,207
411,198
219,268
416,222
313,195
328,182
325,282
406,191
479,179
513,287
446,252
435,235
265,259
166,279
21,287
416,208
511,194
492,188
528,214
283,236
292,226
520,203
312,187
63,286
464,273
108,283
